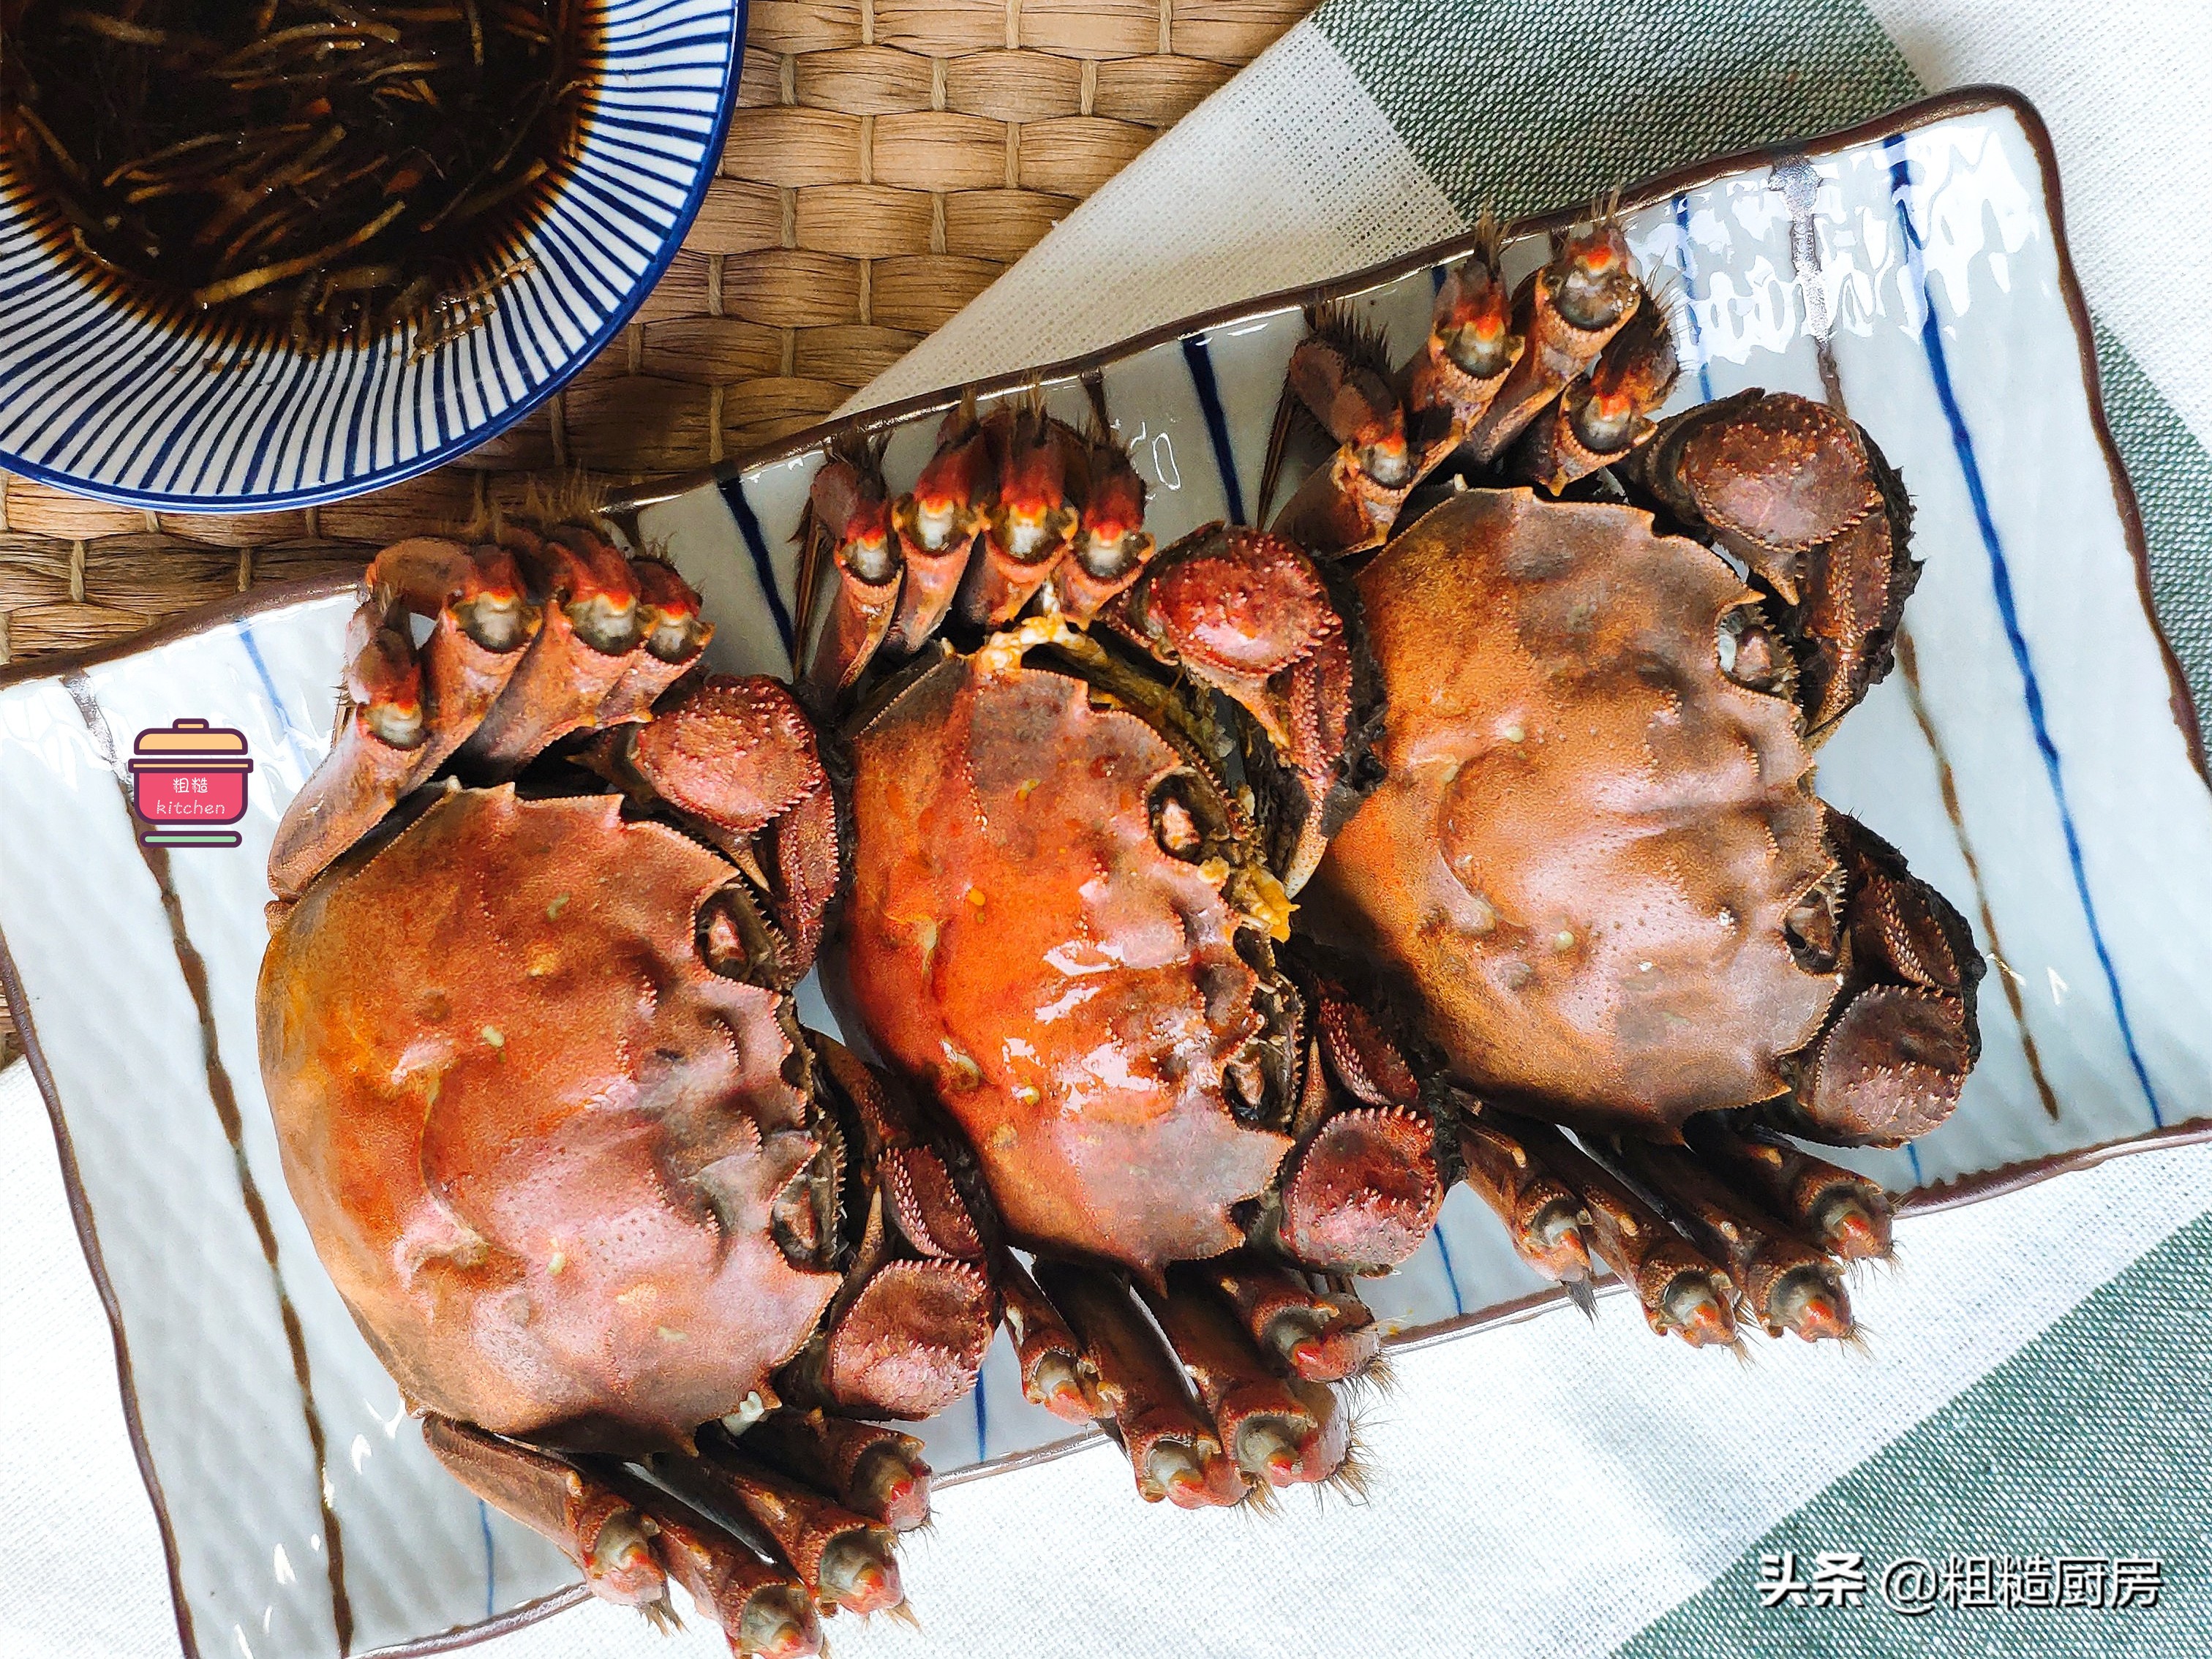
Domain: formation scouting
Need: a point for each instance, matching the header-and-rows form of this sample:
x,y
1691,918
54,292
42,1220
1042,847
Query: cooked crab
x,y
1088,777
527,1031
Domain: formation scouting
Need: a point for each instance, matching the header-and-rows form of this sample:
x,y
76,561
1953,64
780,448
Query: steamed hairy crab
x,y
595,1200
1581,933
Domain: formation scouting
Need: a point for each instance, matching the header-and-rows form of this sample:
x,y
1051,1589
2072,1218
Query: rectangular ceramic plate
x,y
2036,761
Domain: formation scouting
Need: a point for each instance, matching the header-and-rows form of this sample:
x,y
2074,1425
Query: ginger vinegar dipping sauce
x,y
328,169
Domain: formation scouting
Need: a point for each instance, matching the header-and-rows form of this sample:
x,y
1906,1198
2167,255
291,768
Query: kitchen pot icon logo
x,y
187,780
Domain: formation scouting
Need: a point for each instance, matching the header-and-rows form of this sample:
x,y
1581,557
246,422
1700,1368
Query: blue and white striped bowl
x,y
165,407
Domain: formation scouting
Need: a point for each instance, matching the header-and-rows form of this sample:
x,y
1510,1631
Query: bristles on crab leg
x,y
842,1558
1321,1337
1598,420
1840,1210
936,523
1031,525
873,1470
1173,1449
1566,312
1786,1284
1683,1290
1280,1430
848,521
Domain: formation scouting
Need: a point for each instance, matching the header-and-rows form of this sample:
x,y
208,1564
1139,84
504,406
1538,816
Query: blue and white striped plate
x,y
107,394
2027,759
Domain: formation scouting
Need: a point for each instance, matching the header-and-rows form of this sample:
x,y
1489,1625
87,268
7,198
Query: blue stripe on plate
x,y
733,492
1451,1279
982,1422
1201,363
1682,263
1962,441
491,1574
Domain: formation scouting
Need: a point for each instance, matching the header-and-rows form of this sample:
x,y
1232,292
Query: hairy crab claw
x,y
640,1250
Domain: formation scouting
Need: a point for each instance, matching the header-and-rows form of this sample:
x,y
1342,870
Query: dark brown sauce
x,y
331,168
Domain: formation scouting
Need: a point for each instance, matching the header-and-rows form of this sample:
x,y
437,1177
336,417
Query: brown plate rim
x,y
1985,1184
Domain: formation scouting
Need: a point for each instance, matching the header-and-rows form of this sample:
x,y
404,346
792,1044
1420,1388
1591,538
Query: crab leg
x,y
1030,525
1054,1373
588,643
1543,1216
1111,549
1247,612
755,1603
1321,1337
1903,1034
1566,312
407,712
1842,1211
1470,349
1682,1289
847,512
1171,1442
871,1470
936,523
1786,1282
675,633
1599,419
1280,1430
842,1558
1338,372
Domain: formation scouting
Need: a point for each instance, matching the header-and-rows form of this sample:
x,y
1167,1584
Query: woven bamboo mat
x,y
889,159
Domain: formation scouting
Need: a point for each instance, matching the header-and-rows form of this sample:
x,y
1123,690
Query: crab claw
x,y
1365,1191
1566,312
1247,612
912,1342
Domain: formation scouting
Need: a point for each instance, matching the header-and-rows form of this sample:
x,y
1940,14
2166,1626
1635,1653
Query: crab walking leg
x,y
871,1469
1111,547
1173,1448
1543,1216
1682,1289
1280,1430
756,1604
847,515
674,635
1339,373
591,636
1318,1335
1470,349
1599,419
1030,525
1841,1211
936,523
844,1558
1891,1062
375,758
1787,1284
1565,312
603,1532
1055,1374
407,711
1247,612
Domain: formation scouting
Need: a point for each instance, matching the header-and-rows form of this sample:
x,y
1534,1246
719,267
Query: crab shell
x,y
1073,992
1588,837
538,1141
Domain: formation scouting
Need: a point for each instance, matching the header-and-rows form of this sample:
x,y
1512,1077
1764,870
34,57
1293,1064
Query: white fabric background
x,y
1501,1470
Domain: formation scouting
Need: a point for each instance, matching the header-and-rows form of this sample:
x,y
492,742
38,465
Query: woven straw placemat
x,y
889,158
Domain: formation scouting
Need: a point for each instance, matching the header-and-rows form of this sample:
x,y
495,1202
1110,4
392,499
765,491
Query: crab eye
x,y
1812,928
737,941
1176,825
